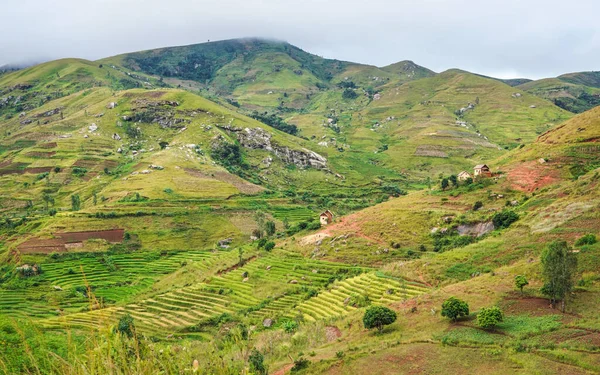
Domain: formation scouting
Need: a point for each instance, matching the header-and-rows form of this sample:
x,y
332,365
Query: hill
x,y
160,214
575,92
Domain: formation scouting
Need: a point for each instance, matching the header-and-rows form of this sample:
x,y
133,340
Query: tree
x,y
240,256
260,219
270,228
126,326
521,282
286,223
444,183
75,202
454,180
269,245
559,268
378,316
257,365
349,94
504,219
454,308
48,200
489,317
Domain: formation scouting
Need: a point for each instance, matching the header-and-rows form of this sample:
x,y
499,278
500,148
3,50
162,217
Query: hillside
x,y
161,214
575,92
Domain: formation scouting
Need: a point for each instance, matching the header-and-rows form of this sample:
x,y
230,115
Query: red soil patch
x,y
48,145
533,306
283,370
531,176
332,333
86,163
349,224
65,240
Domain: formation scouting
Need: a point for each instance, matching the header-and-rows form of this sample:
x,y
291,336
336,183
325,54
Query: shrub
x,y
270,228
477,205
453,308
504,219
300,364
256,362
378,316
340,354
262,242
269,245
78,171
588,239
489,317
444,183
349,94
126,326
521,282
290,326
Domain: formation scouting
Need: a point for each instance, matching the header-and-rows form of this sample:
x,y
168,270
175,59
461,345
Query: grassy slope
x,y
575,92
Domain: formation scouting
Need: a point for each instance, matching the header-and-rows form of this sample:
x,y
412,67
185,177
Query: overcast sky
x,y
507,39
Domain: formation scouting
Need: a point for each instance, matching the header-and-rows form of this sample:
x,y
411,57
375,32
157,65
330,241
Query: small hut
x,y
482,170
326,217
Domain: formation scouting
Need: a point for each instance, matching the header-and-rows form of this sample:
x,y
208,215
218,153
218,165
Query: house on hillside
x,y
482,170
326,217
464,176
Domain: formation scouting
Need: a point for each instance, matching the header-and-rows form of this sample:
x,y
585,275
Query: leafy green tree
x,y
378,316
454,180
444,183
286,223
47,200
559,265
257,364
521,282
260,219
269,245
454,308
240,256
489,317
270,228
126,326
349,94
504,219
75,202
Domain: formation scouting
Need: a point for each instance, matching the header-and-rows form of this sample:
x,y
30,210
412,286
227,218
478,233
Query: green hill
x,y
575,92
160,213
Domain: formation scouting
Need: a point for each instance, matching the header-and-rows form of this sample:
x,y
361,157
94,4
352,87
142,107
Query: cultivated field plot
x,y
241,291
379,289
64,285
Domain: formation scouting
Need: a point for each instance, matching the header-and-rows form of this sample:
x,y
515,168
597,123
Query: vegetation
x,y
172,241
559,269
378,317
454,309
521,282
489,317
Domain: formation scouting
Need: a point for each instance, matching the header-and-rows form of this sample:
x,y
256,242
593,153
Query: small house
x,y
482,170
326,217
464,176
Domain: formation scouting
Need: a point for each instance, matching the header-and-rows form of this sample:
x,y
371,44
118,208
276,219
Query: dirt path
x,y
283,370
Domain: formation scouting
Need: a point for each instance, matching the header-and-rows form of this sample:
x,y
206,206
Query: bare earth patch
x,y
531,176
242,185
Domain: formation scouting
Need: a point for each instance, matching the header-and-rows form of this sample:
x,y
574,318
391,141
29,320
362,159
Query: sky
x,y
504,39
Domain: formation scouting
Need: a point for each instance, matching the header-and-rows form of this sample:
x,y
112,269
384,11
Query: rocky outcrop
x,y
478,229
260,139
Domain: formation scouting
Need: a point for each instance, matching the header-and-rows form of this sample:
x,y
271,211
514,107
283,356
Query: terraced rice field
x,y
118,279
236,292
380,290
